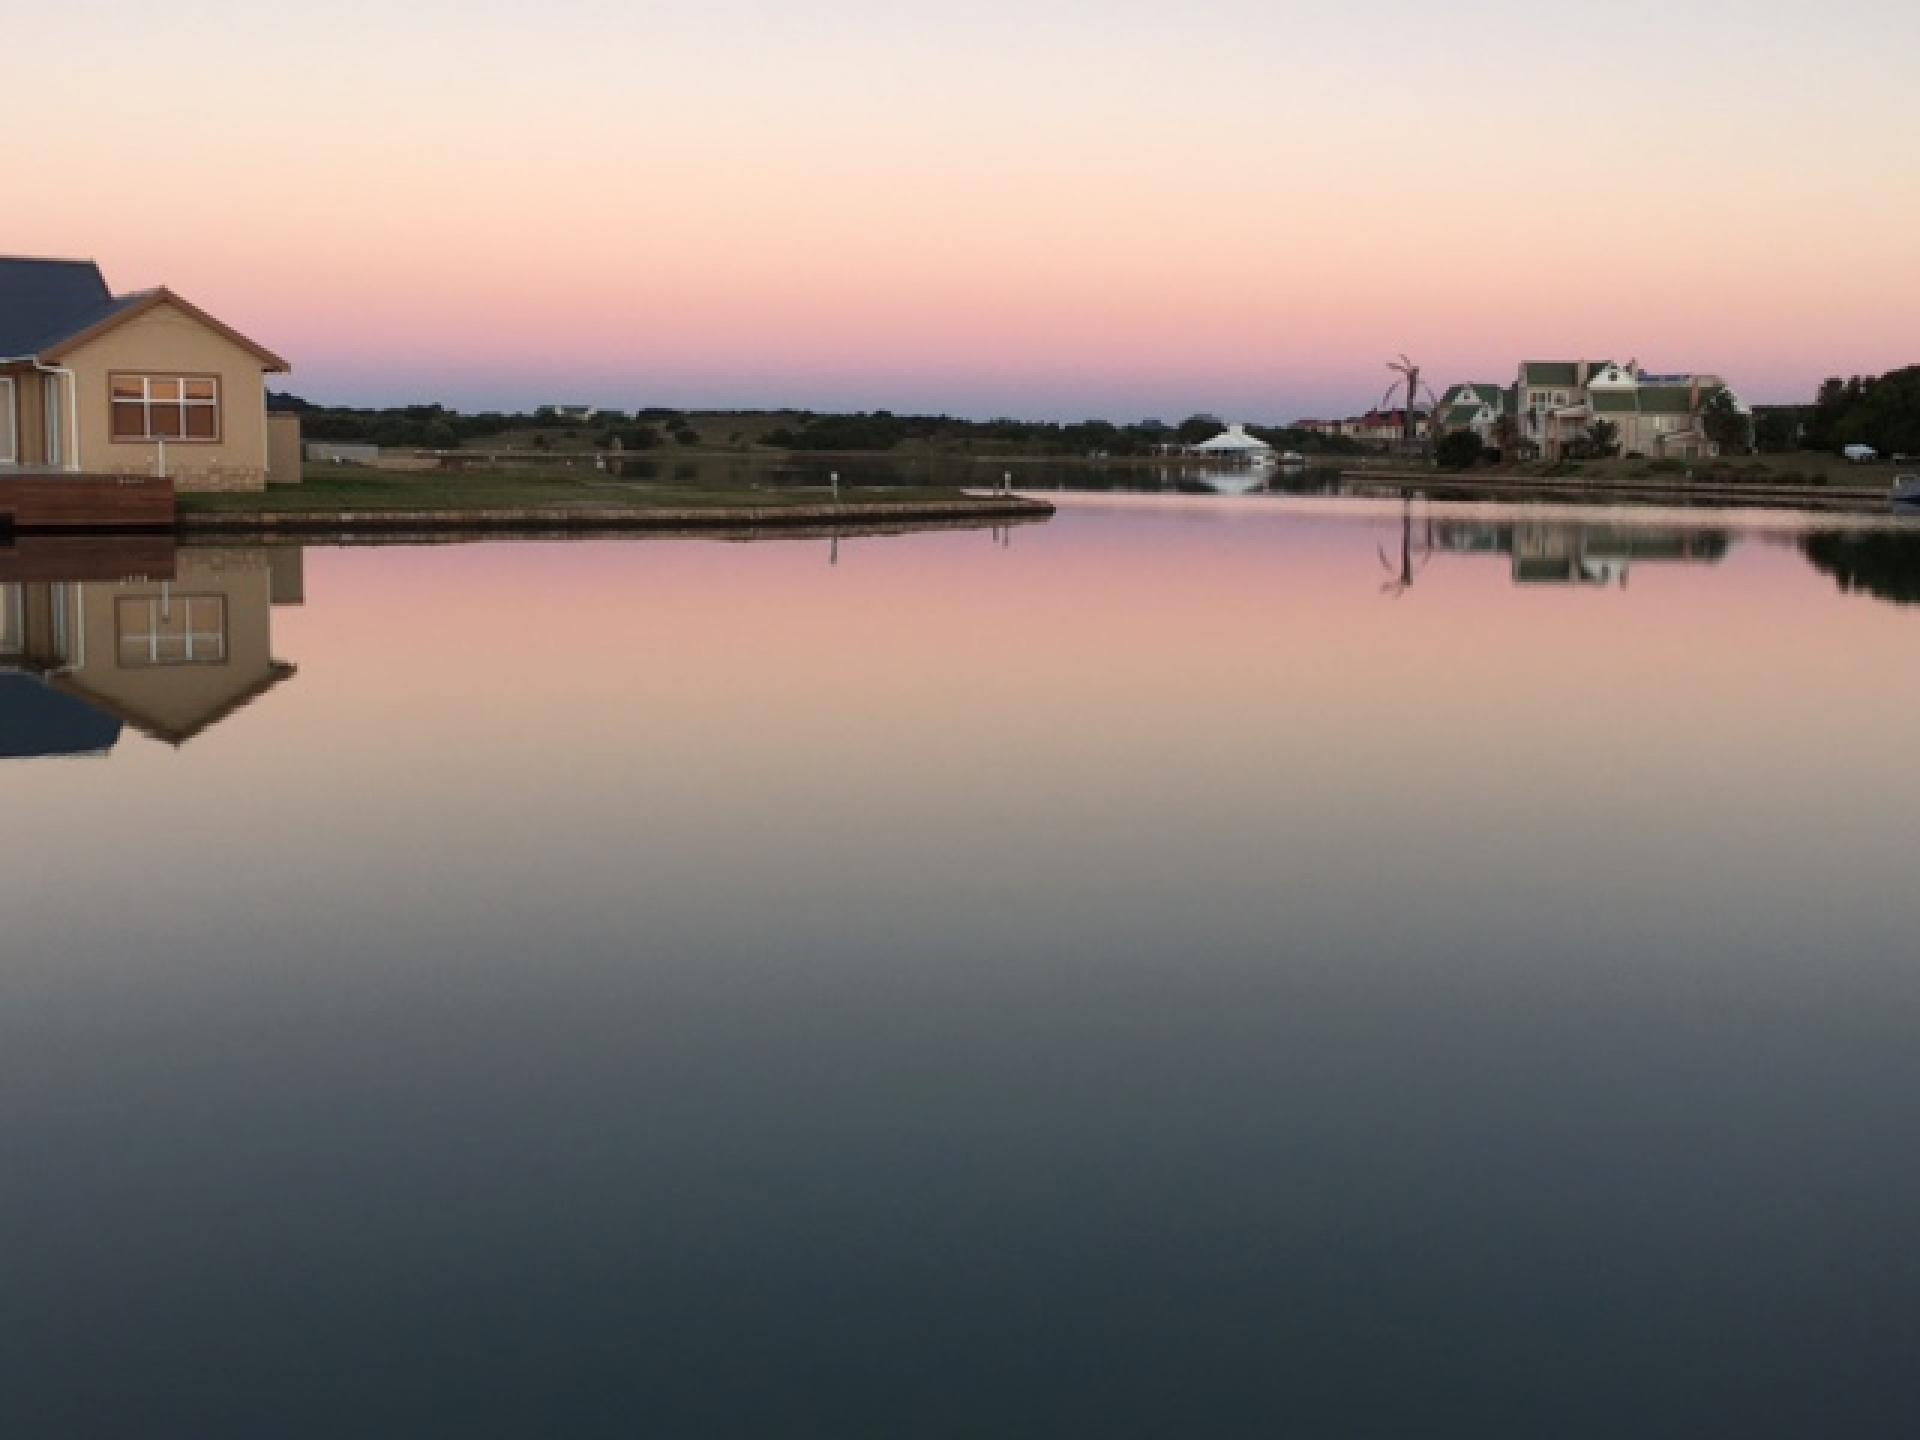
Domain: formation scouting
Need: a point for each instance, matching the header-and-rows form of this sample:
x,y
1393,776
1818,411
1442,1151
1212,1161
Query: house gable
x,y
132,307
168,339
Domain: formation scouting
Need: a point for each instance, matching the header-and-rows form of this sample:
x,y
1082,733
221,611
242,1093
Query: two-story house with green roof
x,y
1477,407
1554,404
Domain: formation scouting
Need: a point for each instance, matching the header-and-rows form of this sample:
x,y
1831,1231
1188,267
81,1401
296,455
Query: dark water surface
x,y
1193,967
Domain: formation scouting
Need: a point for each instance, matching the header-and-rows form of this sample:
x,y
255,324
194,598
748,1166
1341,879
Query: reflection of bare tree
x,y
1409,565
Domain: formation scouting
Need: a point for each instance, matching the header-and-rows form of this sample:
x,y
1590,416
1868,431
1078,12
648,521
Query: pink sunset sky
x,y
1044,209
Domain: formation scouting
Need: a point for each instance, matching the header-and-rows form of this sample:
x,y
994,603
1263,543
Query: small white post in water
x,y
1006,483
833,477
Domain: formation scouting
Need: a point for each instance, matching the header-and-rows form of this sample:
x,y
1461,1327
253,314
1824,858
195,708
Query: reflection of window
x,y
165,407
13,629
172,629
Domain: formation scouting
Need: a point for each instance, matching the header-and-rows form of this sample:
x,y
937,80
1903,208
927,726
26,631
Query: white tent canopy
x,y
1234,440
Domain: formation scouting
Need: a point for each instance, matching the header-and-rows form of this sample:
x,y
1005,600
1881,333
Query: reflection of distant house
x,y
169,655
1572,554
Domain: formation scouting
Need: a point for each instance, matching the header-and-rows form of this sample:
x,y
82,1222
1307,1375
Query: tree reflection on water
x,y
1881,563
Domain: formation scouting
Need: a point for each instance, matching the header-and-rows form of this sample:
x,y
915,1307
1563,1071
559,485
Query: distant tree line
x,y
435,427
428,427
883,430
1780,429
1878,410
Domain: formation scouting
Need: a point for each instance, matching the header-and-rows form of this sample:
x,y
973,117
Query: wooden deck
x,y
97,504
86,556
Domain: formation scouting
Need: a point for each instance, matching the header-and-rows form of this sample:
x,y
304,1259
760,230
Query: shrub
x,y
1667,465
1458,450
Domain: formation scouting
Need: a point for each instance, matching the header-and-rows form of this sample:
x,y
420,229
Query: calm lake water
x,y
1191,967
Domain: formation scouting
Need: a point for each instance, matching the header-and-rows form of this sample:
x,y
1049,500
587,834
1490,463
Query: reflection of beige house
x,y
168,656
143,383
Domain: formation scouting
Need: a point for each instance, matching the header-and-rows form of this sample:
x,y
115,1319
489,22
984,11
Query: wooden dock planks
x,y
85,503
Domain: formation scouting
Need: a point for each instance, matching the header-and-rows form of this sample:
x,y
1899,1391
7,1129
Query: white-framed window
x,y
9,422
183,408
169,629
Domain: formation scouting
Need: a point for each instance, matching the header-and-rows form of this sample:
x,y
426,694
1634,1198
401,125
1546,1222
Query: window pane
x,y
164,389
129,387
183,629
129,420
200,422
199,389
133,619
206,628
165,420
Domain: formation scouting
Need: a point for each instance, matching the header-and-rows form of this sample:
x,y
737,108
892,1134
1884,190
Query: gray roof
x,y
1550,372
37,721
42,302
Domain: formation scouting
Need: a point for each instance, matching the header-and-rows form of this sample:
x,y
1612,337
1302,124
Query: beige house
x,y
144,383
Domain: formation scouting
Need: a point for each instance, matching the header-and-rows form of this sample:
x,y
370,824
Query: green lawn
x,y
1802,468
329,488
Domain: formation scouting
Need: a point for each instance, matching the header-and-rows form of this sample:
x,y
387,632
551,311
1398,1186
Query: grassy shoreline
x,y
1809,469
336,500
1517,483
352,490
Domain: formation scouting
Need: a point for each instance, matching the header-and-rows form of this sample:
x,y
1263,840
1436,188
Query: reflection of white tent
x,y
1235,441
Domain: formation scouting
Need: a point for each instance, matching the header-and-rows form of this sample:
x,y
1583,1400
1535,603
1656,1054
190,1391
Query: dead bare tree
x,y
1409,381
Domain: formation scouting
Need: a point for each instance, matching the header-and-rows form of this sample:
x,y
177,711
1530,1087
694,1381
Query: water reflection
x,y
1881,563
1137,982
98,637
1570,553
